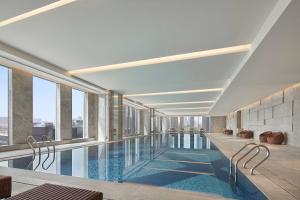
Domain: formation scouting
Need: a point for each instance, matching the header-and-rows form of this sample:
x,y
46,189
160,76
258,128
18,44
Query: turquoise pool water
x,y
178,161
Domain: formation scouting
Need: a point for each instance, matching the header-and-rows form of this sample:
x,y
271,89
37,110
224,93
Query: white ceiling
x,y
90,33
274,65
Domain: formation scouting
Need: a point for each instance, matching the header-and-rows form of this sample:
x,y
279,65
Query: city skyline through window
x,y
77,113
44,108
3,105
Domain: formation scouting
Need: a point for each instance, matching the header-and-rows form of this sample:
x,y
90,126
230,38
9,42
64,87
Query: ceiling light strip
x,y
175,92
187,114
179,103
196,108
35,12
166,59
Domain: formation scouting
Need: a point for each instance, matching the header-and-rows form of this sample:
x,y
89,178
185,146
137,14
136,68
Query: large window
x,y
44,108
197,122
77,113
186,123
3,106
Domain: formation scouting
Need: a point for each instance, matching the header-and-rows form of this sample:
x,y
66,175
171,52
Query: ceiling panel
x,y
90,33
274,65
203,73
178,98
12,8
99,32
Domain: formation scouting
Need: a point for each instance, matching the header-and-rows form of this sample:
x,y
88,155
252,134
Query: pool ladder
x,y
31,141
45,140
256,147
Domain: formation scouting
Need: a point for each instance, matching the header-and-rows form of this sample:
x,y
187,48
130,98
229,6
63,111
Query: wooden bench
x,y
57,192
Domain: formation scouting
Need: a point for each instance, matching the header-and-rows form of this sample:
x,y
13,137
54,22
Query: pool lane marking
x,y
199,154
180,171
183,161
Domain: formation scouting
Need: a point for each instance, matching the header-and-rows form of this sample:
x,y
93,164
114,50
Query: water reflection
x,y
189,141
113,161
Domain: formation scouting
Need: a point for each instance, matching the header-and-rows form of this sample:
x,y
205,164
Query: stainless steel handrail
x,y
241,149
263,160
31,141
257,152
238,160
45,141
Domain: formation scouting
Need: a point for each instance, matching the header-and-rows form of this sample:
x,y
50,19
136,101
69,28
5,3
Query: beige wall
x,y
278,112
217,124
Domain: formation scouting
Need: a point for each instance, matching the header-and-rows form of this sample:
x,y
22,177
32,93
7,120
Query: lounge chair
x,y
275,138
246,134
5,186
228,132
264,135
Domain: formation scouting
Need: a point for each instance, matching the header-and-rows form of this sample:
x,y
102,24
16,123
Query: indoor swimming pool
x,y
177,161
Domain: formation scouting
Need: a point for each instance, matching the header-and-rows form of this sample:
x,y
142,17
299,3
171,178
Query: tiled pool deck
x,y
278,178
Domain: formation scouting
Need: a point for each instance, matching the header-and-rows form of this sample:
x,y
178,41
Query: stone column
x,y
93,115
141,113
181,119
133,128
192,124
204,123
115,115
120,116
64,112
21,102
239,119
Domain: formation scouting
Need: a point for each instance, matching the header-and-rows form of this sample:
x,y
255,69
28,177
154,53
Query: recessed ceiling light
x,y
179,103
175,92
196,108
166,59
35,12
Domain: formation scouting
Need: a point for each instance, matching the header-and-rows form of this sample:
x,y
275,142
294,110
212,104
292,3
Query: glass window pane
x,y
3,106
44,108
186,123
77,113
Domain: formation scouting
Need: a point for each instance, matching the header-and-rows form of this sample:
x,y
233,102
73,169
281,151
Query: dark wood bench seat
x,y
57,192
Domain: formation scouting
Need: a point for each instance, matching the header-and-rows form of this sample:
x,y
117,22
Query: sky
x,y
77,103
44,98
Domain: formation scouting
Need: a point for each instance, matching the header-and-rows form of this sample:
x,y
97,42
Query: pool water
x,y
178,161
